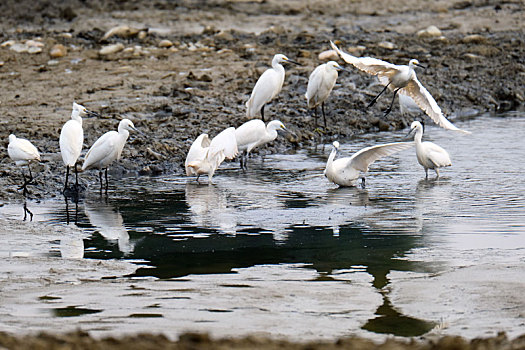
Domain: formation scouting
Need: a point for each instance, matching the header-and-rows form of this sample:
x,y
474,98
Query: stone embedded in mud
x,y
111,49
165,43
387,45
328,55
8,43
474,39
57,51
123,31
429,32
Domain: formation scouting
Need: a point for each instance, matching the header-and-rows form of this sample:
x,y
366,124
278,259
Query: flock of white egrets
x,y
205,155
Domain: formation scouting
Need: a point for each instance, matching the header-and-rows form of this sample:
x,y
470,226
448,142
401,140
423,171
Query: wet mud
x,y
183,68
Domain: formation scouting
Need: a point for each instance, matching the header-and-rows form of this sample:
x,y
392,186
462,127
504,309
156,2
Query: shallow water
x,y
404,256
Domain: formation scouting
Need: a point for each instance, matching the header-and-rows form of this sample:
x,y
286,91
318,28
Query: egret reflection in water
x,y
109,223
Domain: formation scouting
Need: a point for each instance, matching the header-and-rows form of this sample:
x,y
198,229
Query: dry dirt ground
x,y
201,81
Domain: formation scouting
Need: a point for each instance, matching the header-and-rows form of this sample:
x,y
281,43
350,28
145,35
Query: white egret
x,y
205,156
320,84
429,155
23,152
72,139
267,87
400,78
346,171
255,133
107,149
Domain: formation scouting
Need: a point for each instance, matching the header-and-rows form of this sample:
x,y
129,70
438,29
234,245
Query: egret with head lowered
x,y
346,171
320,84
429,155
23,152
205,156
72,139
403,79
267,87
107,149
255,133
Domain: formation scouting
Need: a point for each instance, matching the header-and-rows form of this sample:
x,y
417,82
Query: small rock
x,y
142,34
2,63
153,155
429,32
356,50
383,126
34,43
472,57
57,51
224,35
165,43
18,47
8,43
52,62
328,55
66,35
34,49
110,49
123,31
474,39
387,45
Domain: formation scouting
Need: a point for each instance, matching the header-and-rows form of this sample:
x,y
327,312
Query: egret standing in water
x,y
320,84
267,87
403,79
205,156
23,152
429,155
346,171
72,139
107,149
253,134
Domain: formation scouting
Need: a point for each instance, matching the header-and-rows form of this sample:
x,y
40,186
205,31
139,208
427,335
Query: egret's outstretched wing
x,y
225,143
197,151
362,159
369,65
407,105
426,102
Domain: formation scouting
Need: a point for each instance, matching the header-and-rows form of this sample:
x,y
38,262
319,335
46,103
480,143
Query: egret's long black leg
x,y
262,112
100,178
67,179
375,98
107,180
26,211
389,109
76,177
324,115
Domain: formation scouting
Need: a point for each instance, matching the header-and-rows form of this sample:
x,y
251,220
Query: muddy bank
x,y
186,68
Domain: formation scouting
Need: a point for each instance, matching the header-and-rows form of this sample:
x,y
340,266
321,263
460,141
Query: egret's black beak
x,y
90,114
137,130
294,62
421,66
409,133
342,69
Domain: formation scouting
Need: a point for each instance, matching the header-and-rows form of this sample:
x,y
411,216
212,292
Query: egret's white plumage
x,y
346,171
205,156
23,152
400,78
320,84
255,133
72,139
108,148
429,155
267,87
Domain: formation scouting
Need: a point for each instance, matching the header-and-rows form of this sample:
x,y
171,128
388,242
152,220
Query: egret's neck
x,y
331,157
75,115
123,133
277,66
271,134
418,136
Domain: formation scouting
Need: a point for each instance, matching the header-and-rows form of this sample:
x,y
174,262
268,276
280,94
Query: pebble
x,y
58,50
429,32
8,43
142,34
165,43
110,49
328,55
474,39
123,31
387,45
34,49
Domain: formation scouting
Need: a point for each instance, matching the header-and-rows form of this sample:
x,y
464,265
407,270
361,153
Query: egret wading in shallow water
x,y
255,133
400,78
72,139
205,156
346,171
107,149
429,155
23,152
320,84
267,87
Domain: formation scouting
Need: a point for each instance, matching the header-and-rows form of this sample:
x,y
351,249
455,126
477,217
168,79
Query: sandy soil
x,y
200,84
